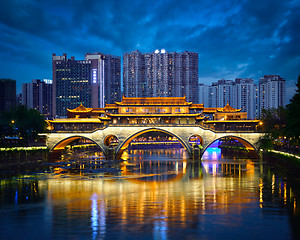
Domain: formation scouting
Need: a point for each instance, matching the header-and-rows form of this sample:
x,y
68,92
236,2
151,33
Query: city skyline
x,y
234,39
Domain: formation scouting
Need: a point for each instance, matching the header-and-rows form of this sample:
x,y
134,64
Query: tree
x,y
293,115
22,122
274,121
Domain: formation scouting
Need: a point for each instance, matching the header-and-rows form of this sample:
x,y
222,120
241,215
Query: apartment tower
x,y
161,74
93,82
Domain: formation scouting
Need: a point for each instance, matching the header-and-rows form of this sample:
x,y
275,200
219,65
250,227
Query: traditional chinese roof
x,y
75,120
80,108
211,110
83,109
106,118
153,101
111,106
149,115
228,108
197,106
231,121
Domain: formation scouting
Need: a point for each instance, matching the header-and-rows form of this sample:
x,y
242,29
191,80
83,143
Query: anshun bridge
x,y
124,121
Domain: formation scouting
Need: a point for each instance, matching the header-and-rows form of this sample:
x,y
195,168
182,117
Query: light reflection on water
x,y
152,194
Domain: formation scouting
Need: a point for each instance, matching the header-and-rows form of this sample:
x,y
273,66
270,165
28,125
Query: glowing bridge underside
x,y
125,135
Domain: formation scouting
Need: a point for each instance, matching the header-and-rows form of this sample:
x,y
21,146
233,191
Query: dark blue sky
x,y
234,38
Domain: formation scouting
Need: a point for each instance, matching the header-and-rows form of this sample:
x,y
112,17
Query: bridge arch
x,y
64,142
243,141
196,136
121,148
109,138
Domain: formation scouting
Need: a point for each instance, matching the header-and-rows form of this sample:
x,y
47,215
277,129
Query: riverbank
x,y
287,164
287,157
17,153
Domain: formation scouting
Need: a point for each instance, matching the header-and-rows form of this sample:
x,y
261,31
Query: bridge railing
x,y
225,128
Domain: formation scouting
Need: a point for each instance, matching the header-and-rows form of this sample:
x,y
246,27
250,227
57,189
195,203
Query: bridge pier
x,y
196,151
110,154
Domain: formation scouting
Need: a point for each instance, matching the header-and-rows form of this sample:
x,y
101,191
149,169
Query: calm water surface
x,y
152,194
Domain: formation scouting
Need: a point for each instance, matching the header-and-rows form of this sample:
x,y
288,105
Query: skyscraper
x,y
161,74
203,94
244,96
272,92
92,82
107,72
256,101
241,93
225,92
213,95
7,94
38,95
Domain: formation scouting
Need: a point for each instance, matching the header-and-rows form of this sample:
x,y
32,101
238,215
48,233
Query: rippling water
x,y
152,194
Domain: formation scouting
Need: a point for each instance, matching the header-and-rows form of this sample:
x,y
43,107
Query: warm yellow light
x,y
12,121
260,123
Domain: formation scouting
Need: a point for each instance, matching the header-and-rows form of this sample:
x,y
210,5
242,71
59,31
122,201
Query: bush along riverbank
x,y
23,153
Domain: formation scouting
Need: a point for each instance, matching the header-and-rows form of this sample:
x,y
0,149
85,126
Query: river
x,y
151,194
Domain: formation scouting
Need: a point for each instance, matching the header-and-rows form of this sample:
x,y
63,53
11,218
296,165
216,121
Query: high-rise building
x,y
256,101
161,74
107,72
241,93
213,95
203,94
19,99
244,96
7,94
225,92
38,95
272,92
92,82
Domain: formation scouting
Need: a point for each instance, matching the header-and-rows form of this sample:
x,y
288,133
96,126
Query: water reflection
x,y
212,153
154,194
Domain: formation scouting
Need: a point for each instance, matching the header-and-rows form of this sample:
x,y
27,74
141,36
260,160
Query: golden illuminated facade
x,y
154,111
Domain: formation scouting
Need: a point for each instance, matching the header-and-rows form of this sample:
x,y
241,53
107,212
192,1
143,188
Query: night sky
x,y
234,38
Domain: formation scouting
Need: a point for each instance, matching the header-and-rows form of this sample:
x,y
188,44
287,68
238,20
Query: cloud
x,y
234,38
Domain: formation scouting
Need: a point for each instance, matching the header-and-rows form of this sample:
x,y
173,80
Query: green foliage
x,y
274,121
22,122
282,122
266,142
293,113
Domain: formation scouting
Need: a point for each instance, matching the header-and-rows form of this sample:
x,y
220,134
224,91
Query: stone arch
x,y
108,138
121,148
64,142
243,141
198,136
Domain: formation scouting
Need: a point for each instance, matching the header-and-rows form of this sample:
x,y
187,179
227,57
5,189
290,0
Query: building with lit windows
x,y
7,94
204,94
93,82
38,95
213,95
244,96
272,92
225,92
106,71
241,94
161,74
